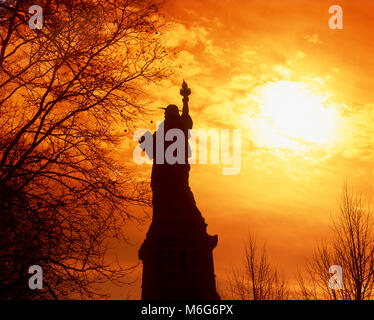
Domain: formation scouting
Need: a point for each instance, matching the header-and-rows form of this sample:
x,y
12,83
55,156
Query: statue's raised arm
x,y
186,119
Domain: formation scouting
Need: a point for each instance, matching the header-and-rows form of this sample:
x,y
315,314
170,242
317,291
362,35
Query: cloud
x,y
187,64
313,38
180,35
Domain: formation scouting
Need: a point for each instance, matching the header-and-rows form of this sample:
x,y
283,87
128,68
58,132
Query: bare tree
x,y
66,93
256,279
351,247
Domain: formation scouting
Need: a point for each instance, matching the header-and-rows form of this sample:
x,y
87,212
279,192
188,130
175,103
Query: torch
x,y
185,91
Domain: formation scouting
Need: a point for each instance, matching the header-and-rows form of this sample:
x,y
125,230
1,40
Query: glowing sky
x,y
302,96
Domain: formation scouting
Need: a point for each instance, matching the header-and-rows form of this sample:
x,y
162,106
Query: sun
x,y
292,115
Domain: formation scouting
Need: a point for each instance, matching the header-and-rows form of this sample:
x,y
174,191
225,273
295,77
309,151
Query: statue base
x,y
177,259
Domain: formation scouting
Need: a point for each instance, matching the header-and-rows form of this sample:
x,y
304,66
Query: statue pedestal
x,y
177,258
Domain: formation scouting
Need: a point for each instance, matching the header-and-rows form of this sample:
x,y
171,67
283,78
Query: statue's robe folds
x,y
170,182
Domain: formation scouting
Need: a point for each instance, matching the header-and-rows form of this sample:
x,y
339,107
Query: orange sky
x,y
243,61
